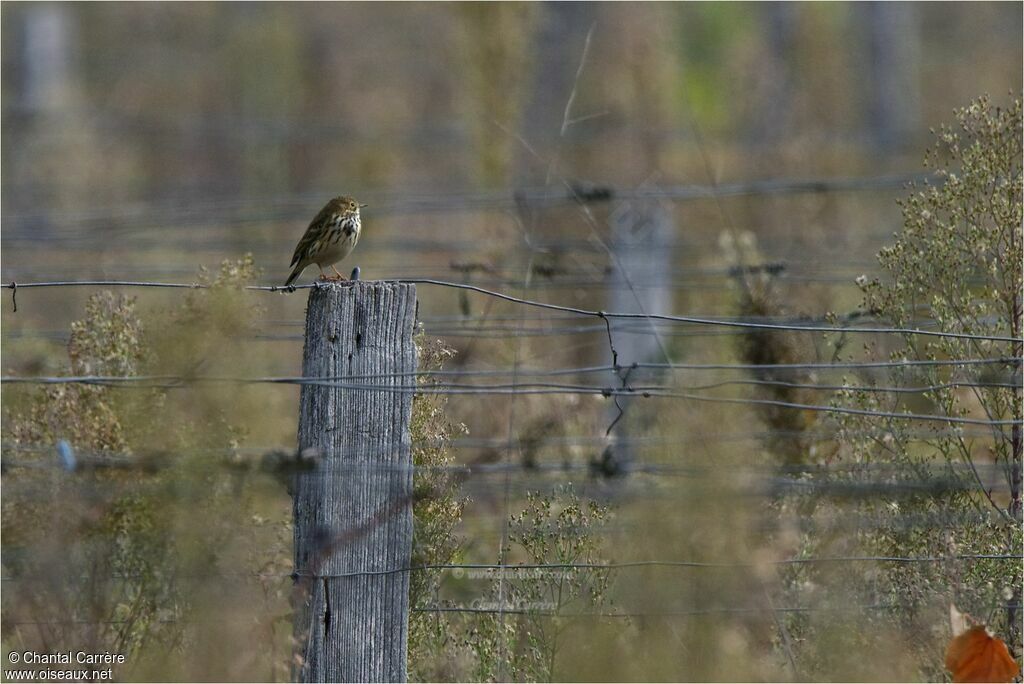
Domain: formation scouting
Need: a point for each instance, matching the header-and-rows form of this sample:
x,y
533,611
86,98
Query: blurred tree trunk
x,y
559,39
773,117
643,231
56,140
495,41
47,81
891,32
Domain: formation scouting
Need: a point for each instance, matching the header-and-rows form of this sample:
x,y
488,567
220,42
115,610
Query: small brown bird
x,y
329,238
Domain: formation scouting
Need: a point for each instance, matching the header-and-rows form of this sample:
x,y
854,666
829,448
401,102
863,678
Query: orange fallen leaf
x,y
976,656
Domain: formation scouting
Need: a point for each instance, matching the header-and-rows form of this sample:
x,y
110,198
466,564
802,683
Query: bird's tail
x,y
293,276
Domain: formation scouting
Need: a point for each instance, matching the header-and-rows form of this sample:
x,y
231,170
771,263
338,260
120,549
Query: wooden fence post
x,y
643,238
353,508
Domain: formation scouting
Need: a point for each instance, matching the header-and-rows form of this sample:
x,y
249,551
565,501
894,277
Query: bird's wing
x,y
311,234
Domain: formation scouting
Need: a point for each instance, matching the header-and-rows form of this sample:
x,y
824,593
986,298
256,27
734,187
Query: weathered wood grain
x,y
353,512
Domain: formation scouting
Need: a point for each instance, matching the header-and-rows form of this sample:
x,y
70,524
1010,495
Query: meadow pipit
x,y
329,238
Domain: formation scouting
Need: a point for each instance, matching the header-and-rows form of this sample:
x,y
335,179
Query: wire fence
x,y
526,568
523,463
603,315
295,207
626,389
515,609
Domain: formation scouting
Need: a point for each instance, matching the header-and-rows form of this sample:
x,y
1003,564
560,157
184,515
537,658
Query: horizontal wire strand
x,y
594,566
546,305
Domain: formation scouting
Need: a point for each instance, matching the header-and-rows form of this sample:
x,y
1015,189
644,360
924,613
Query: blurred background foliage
x,y
144,141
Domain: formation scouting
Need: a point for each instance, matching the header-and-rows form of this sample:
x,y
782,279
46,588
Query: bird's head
x,y
348,204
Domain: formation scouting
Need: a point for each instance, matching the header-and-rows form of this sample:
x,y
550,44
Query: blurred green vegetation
x,y
131,552
959,256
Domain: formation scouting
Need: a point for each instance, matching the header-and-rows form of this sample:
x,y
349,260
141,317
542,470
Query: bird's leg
x,y
338,276
323,276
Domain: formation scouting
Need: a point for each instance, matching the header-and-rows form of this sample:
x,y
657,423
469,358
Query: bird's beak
x,y
362,205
